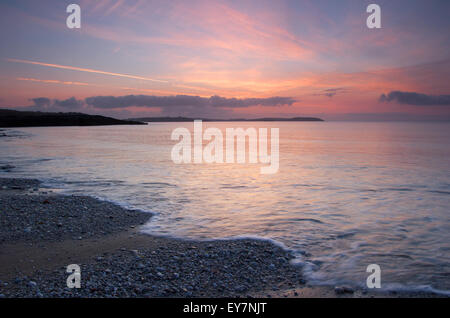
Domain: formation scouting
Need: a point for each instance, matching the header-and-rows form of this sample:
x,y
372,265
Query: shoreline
x,y
41,233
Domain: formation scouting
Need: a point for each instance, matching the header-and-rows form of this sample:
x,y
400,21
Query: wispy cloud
x,y
51,81
330,92
87,70
217,27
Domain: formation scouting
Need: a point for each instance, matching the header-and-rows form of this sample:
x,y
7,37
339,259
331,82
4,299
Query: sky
x,y
228,59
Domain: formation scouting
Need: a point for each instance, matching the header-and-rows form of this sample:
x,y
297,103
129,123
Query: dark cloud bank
x,y
178,105
413,98
183,100
44,103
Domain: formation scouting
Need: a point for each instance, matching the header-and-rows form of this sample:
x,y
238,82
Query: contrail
x,y
86,70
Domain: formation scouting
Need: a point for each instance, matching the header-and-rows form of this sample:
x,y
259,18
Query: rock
x,y
32,283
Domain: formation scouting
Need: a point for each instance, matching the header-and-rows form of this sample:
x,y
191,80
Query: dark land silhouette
x,y
14,118
187,119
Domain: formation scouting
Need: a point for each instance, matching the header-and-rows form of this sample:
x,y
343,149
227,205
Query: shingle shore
x,y
162,268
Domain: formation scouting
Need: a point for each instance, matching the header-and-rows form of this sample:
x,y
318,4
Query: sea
x,y
346,195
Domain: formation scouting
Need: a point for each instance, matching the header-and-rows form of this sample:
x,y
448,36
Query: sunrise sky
x,y
254,58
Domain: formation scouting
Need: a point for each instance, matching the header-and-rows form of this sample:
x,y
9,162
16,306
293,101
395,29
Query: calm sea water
x,y
347,194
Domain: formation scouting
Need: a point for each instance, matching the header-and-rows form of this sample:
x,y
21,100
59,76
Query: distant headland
x,y
187,119
14,118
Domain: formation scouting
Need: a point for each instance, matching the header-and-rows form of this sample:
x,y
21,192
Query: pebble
x,y
135,252
240,288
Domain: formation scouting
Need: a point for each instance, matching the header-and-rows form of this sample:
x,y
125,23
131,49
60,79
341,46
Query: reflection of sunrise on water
x,y
346,193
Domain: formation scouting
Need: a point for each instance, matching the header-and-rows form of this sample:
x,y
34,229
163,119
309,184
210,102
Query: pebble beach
x,y
41,233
